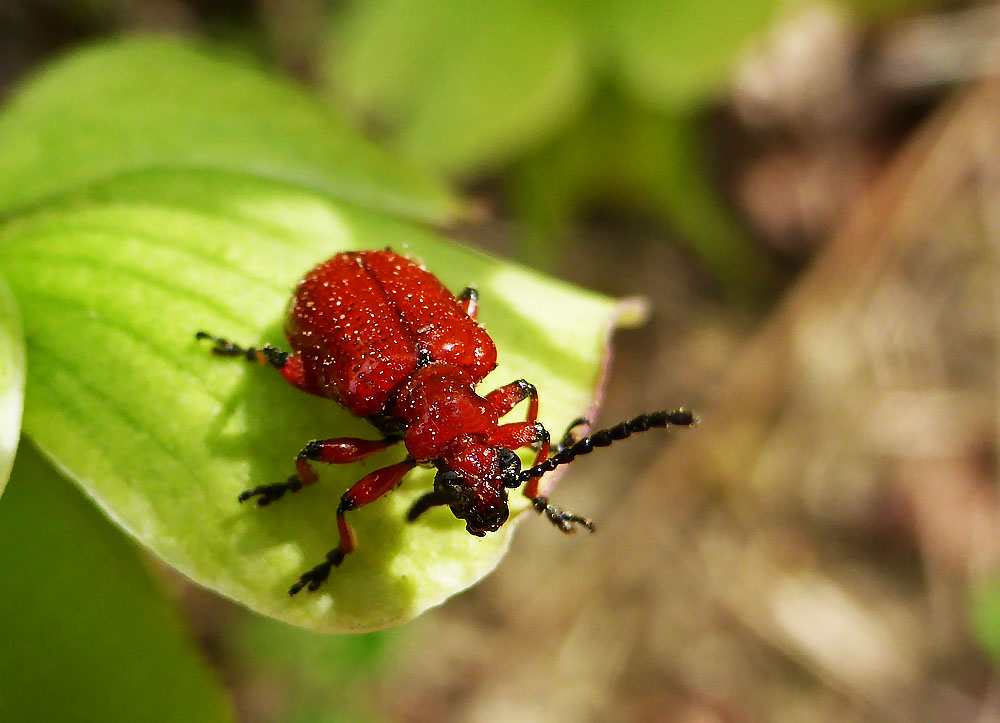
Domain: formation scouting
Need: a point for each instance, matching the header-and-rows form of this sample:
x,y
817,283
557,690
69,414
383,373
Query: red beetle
x,y
382,336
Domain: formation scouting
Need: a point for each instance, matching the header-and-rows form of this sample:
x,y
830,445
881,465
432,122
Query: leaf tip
x,y
633,311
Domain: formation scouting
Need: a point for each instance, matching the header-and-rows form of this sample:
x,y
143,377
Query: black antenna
x,y
678,418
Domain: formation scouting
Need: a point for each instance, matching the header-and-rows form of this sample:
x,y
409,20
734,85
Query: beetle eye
x,y
509,465
448,479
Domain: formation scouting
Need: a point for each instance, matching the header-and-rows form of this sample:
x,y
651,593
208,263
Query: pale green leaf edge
x,y
12,376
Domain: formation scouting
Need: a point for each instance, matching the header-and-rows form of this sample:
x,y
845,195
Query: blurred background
x,y
807,193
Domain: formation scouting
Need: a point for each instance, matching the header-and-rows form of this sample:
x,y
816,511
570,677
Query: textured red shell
x,y
362,321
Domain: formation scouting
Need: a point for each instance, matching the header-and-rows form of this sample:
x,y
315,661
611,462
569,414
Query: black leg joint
x,y
275,357
541,436
312,450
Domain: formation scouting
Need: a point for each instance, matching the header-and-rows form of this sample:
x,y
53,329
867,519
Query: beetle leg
x,y
266,494
365,491
510,395
521,434
342,450
563,519
288,365
266,355
468,299
436,498
568,438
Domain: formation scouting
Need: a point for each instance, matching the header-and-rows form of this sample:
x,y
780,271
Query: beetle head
x,y
475,488
482,506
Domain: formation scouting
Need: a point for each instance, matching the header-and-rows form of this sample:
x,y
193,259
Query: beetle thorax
x,y
440,408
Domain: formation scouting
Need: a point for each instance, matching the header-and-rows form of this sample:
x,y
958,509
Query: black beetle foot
x,y
318,575
267,494
562,519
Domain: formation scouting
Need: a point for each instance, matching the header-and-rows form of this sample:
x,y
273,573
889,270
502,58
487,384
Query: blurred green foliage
x,y
628,155
465,83
887,9
579,103
144,103
322,676
571,104
469,84
86,634
984,614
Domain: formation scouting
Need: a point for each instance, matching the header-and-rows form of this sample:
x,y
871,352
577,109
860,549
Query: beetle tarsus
x,y
265,355
267,494
221,347
568,438
563,519
318,575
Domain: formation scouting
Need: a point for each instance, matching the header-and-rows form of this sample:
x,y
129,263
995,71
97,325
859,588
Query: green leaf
x,y
87,634
465,84
984,613
113,286
158,103
11,381
676,54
